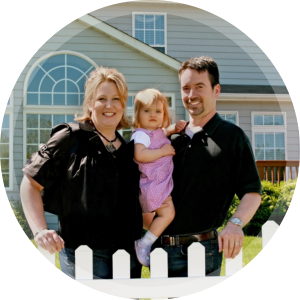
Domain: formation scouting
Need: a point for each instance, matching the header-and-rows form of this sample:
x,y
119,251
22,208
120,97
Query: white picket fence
x,y
159,286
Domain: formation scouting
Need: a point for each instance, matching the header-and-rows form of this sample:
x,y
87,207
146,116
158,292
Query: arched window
x,y
54,93
58,80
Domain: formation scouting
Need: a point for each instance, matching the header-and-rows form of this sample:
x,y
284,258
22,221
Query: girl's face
x,y
151,116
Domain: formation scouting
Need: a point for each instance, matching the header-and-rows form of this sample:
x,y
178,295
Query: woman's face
x,y
106,107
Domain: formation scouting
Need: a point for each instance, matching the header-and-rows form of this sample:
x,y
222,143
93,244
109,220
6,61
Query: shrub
x,y
19,213
284,200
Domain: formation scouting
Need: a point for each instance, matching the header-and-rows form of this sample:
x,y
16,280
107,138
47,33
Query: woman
x,y
91,169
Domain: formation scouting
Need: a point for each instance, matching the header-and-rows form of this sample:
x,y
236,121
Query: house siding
x,y
245,108
140,71
200,32
193,32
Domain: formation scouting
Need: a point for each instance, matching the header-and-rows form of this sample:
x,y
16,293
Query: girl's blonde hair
x,y
95,78
147,97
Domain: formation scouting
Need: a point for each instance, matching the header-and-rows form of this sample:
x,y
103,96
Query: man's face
x,y
198,97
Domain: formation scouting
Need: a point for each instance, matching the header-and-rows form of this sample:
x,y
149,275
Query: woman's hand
x,y
167,149
49,240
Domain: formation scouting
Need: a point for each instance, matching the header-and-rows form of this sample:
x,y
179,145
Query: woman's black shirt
x,y
95,194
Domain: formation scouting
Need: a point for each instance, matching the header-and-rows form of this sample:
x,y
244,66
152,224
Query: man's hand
x,y
180,126
231,240
49,240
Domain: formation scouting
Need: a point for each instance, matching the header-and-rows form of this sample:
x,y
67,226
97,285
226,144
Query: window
x,y
269,136
58,80
38,129
55,92
269,139
150,28
6,150
229,116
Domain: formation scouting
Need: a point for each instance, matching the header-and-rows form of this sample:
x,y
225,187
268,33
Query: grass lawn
x,y
251,247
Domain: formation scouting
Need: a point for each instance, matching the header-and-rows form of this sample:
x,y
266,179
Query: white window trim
x,y
151,13
229,112
48,109
268,113
9,110
269,128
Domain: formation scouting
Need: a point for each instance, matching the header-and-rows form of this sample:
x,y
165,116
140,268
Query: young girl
x,y
153,153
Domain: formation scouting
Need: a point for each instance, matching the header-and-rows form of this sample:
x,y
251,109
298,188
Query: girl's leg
x,y
165,215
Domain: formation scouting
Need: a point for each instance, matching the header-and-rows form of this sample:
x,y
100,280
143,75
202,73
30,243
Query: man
x,y
213,162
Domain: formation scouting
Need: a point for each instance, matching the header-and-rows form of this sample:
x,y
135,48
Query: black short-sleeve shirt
x,y
209,170
98,193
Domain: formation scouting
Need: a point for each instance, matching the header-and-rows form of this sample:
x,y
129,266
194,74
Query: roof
x,y
130,41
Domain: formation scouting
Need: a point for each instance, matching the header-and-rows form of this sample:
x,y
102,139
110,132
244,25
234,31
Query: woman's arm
x,y
142,154
34,211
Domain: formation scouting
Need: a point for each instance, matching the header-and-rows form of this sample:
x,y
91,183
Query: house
x,y
146,41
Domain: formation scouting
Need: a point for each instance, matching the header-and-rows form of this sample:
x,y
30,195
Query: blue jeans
x,y
177,259
102,263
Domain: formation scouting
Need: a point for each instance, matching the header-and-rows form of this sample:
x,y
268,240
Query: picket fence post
x,y
121,265
159,285
83,263
268,230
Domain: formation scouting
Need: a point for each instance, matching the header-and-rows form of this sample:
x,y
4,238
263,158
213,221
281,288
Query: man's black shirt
x,y
209,170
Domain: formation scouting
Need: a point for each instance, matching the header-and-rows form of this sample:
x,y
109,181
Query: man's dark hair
x,y
202,64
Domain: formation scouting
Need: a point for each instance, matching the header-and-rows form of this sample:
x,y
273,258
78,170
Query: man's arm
x,y
232,236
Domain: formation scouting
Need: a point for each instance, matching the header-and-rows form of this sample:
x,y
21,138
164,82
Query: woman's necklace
x,y
110,147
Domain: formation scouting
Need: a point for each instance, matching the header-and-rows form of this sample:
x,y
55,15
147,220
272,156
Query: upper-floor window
x,y
150,28
58,80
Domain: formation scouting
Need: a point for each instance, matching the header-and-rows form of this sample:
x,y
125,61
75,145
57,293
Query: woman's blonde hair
x,y
95,78
147,97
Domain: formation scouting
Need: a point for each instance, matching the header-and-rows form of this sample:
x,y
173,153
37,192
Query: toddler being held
x,y
153,153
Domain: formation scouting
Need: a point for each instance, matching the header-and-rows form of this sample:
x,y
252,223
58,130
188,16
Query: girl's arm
x,y
175,128
144,155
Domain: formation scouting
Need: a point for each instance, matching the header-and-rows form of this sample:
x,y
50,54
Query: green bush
x,y
275,201
19,213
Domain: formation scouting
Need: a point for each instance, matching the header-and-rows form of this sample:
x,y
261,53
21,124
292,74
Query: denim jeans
x,y
177,259
102,263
